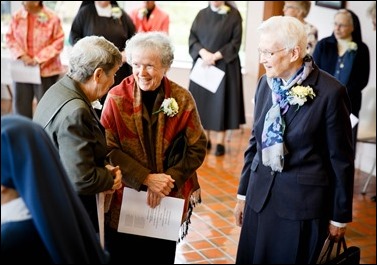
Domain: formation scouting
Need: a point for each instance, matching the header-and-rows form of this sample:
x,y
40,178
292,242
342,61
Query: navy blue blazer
x,y
318,175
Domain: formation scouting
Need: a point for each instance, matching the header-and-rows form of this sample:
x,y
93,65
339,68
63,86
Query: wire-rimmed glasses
x,y
269,54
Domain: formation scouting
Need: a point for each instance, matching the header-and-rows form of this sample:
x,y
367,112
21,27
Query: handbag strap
x,y
330,248
341,245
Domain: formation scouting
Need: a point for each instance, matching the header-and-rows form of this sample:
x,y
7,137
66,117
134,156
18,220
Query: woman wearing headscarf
x,y
216,37
41,214
345,56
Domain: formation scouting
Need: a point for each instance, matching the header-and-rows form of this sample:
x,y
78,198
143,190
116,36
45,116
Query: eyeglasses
x,y
341,25
268,54
289,6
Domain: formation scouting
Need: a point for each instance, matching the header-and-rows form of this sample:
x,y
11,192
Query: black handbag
x,y
341,254
176,151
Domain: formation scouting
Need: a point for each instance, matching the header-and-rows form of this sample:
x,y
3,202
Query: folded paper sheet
x,y
22,73
137,218
209,77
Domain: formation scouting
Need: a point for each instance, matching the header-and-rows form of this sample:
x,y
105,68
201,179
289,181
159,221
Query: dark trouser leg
x,y
23,99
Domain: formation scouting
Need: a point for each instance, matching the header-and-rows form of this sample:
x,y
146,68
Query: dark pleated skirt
x,y
267,238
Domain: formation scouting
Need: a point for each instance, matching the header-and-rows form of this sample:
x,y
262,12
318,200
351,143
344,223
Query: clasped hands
x,y
117,175
209,58
159,186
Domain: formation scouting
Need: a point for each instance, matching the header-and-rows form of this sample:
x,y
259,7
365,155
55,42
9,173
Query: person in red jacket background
x,y
150,17
35,37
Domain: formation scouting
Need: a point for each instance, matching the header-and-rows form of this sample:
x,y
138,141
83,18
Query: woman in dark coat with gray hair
x,y
66,113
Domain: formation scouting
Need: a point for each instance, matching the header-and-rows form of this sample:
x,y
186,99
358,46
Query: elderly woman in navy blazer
x,y
296,185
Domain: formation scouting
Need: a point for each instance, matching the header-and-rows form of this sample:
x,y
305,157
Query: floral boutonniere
x,y
298,95
142,12
169,106
116,12
96,104
352,46
42,17
223,10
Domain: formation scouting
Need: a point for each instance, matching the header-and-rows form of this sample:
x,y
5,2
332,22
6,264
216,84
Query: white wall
x,y
322,18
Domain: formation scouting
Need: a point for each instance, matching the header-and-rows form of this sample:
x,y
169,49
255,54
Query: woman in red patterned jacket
x,y
36,37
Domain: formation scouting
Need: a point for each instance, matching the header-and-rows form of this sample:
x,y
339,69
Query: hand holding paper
x,y
24,73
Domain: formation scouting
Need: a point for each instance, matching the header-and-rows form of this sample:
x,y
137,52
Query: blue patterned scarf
x,y
273,148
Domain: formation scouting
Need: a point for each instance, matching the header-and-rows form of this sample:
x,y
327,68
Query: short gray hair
x,y
289,31
90,53
156,41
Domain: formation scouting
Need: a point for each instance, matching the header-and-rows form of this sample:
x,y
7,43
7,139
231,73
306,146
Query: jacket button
x,y
272,173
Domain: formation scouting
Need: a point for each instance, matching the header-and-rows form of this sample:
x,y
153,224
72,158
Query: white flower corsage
x,y
42,17
352,46
116,12
142,13
169,106
298,95
96,104
224,9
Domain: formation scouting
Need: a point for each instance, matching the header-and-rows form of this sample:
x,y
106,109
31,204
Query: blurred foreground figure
x,y
41,214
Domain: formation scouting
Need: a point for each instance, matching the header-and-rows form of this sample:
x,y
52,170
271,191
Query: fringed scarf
x,y
122,118
273,148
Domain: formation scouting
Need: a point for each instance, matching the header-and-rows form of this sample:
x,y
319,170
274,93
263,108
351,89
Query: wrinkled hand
x,y
160,184
117,175
336,233
153,199
238,212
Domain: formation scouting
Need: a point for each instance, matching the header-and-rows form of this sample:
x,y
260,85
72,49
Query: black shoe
x,y
209,145
220,150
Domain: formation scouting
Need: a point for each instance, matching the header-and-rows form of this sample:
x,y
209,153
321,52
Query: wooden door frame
x,y
271,8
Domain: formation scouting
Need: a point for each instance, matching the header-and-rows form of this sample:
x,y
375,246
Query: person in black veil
x,y
216,37
345,56
107,19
